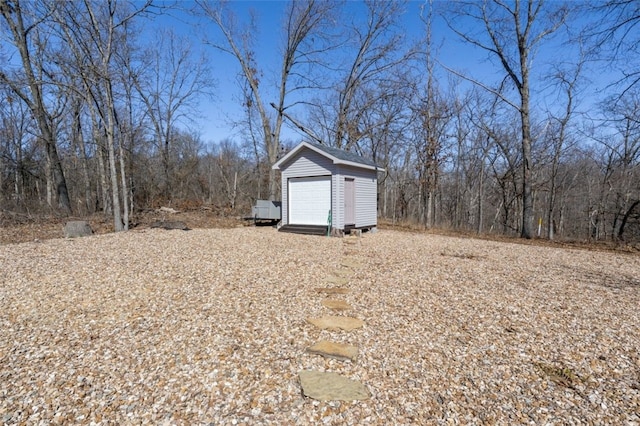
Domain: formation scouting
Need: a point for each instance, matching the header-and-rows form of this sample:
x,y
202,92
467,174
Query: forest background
x,y
515,118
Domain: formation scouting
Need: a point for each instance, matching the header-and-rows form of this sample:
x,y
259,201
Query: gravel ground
x,y
209,326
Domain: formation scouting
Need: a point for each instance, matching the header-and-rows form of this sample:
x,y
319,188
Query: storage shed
x,y
321,184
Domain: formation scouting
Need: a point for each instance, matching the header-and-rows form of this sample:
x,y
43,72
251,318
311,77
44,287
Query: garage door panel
x,y
309,200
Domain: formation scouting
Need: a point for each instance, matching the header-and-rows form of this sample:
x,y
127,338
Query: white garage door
x,y
309,200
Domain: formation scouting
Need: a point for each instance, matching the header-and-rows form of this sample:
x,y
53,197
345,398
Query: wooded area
x,y
94,118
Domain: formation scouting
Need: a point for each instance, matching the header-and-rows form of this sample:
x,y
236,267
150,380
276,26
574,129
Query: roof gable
x,y
338,156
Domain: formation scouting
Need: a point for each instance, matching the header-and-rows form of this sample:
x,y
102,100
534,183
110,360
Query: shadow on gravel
x,y
612,281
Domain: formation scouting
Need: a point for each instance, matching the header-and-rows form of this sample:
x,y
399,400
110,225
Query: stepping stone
x,y
338,305
332,322
337,280
343,273
350,263
333,290
339,351
331,387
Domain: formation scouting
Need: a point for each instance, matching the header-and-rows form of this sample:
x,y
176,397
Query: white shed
x,y
324,186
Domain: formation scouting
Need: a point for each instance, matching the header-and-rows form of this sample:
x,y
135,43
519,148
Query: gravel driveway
x,y
209,326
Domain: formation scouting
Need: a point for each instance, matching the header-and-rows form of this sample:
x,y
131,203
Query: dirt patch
x,y
19,228
23,228
608,245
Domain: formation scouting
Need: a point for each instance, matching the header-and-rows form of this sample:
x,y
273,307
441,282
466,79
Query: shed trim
x,y
354,160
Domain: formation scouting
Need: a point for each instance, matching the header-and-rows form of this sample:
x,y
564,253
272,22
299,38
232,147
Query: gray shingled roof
x,y
344,155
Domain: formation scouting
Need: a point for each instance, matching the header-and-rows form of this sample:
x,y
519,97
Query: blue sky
x,y
217,114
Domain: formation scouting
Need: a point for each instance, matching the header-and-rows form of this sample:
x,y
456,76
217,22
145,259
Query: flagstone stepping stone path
x,y
337,280
350,263
328,386
331,387
334,350
333,290
335,322
336,304
343,273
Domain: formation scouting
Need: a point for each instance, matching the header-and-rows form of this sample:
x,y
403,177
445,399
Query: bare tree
x,y
169,79
16,149
558,131
384,128
432,119
498,145
460,154
25,27
303,20
617,38
510,33
378,52
433,116
624,182
94,29
477,150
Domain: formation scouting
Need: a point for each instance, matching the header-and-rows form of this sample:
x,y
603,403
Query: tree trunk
x,y
115,190
125,192
111,152
64,203
102,167
527,197
2,168
78,138
113,175
552,200
481,198
273,182
624,220
19,185
429,209
49,181
12,14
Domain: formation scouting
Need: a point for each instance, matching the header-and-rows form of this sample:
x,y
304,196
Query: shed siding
x,y
366,186
304,164
308,163
336,207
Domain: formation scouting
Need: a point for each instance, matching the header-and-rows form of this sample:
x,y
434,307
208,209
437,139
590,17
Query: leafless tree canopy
x,y
537,135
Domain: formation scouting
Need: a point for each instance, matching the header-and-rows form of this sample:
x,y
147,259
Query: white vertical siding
x,y
309,163
338,201
304,164
366,186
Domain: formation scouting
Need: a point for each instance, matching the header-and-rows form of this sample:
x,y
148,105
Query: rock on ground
x,y
77,228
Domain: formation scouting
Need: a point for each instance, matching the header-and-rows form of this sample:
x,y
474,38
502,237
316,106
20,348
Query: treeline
x,y
94,118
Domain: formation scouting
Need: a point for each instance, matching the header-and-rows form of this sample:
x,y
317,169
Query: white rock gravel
x,y
208,327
